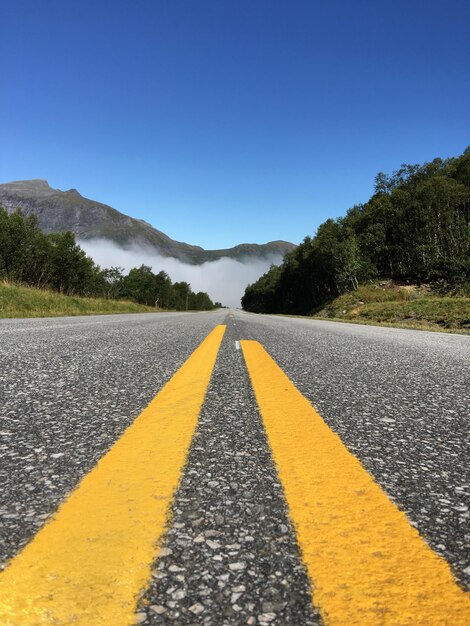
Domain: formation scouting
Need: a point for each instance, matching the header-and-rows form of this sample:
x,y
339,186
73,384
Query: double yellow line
x,y
367,564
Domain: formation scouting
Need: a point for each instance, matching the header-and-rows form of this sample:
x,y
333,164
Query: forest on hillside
x,y
415,229
56,261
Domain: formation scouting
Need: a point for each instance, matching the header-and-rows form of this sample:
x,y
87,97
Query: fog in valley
x,y
224,280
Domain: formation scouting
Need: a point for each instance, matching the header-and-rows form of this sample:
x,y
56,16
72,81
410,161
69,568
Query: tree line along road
x,y
229,468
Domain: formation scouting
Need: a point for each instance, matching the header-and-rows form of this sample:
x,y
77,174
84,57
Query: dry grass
x,y
20,301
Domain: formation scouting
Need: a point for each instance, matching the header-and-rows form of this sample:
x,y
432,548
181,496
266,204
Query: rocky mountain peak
x,y
59,211
35,187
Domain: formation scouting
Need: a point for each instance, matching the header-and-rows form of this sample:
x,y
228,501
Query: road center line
x,y
89,563
368,565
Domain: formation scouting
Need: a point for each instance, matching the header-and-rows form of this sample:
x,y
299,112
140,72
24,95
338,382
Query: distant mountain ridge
x,y
59,211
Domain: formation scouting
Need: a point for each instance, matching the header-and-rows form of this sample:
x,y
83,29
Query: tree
x,y
163,290
139,285
180,296
113,278
70,270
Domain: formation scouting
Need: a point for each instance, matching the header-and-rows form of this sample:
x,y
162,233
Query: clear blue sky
x,y
224,121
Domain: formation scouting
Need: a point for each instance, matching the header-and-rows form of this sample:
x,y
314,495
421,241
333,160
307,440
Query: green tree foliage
x,y
69,269
145,287
180,296
113,281
163,290
415,228
56,261
139,285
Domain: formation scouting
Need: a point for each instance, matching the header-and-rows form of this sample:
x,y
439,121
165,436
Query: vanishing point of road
x,y
229,468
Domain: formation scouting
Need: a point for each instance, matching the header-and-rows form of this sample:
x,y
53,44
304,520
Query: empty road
x,y
286,471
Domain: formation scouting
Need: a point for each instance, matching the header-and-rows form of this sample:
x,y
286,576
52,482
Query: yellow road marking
x,y
89,563
368,565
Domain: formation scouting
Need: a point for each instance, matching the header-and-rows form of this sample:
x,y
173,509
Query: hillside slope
x,y
23,301
59,211
406,306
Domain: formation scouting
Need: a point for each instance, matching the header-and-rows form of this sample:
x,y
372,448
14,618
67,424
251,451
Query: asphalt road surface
x,y
230,553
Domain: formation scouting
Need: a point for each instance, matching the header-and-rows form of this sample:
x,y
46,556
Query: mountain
x,y
59,210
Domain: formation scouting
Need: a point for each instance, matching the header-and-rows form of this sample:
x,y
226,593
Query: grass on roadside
x,y
405,306
21,301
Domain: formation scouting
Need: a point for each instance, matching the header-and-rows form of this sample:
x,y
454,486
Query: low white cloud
x,y
224,280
